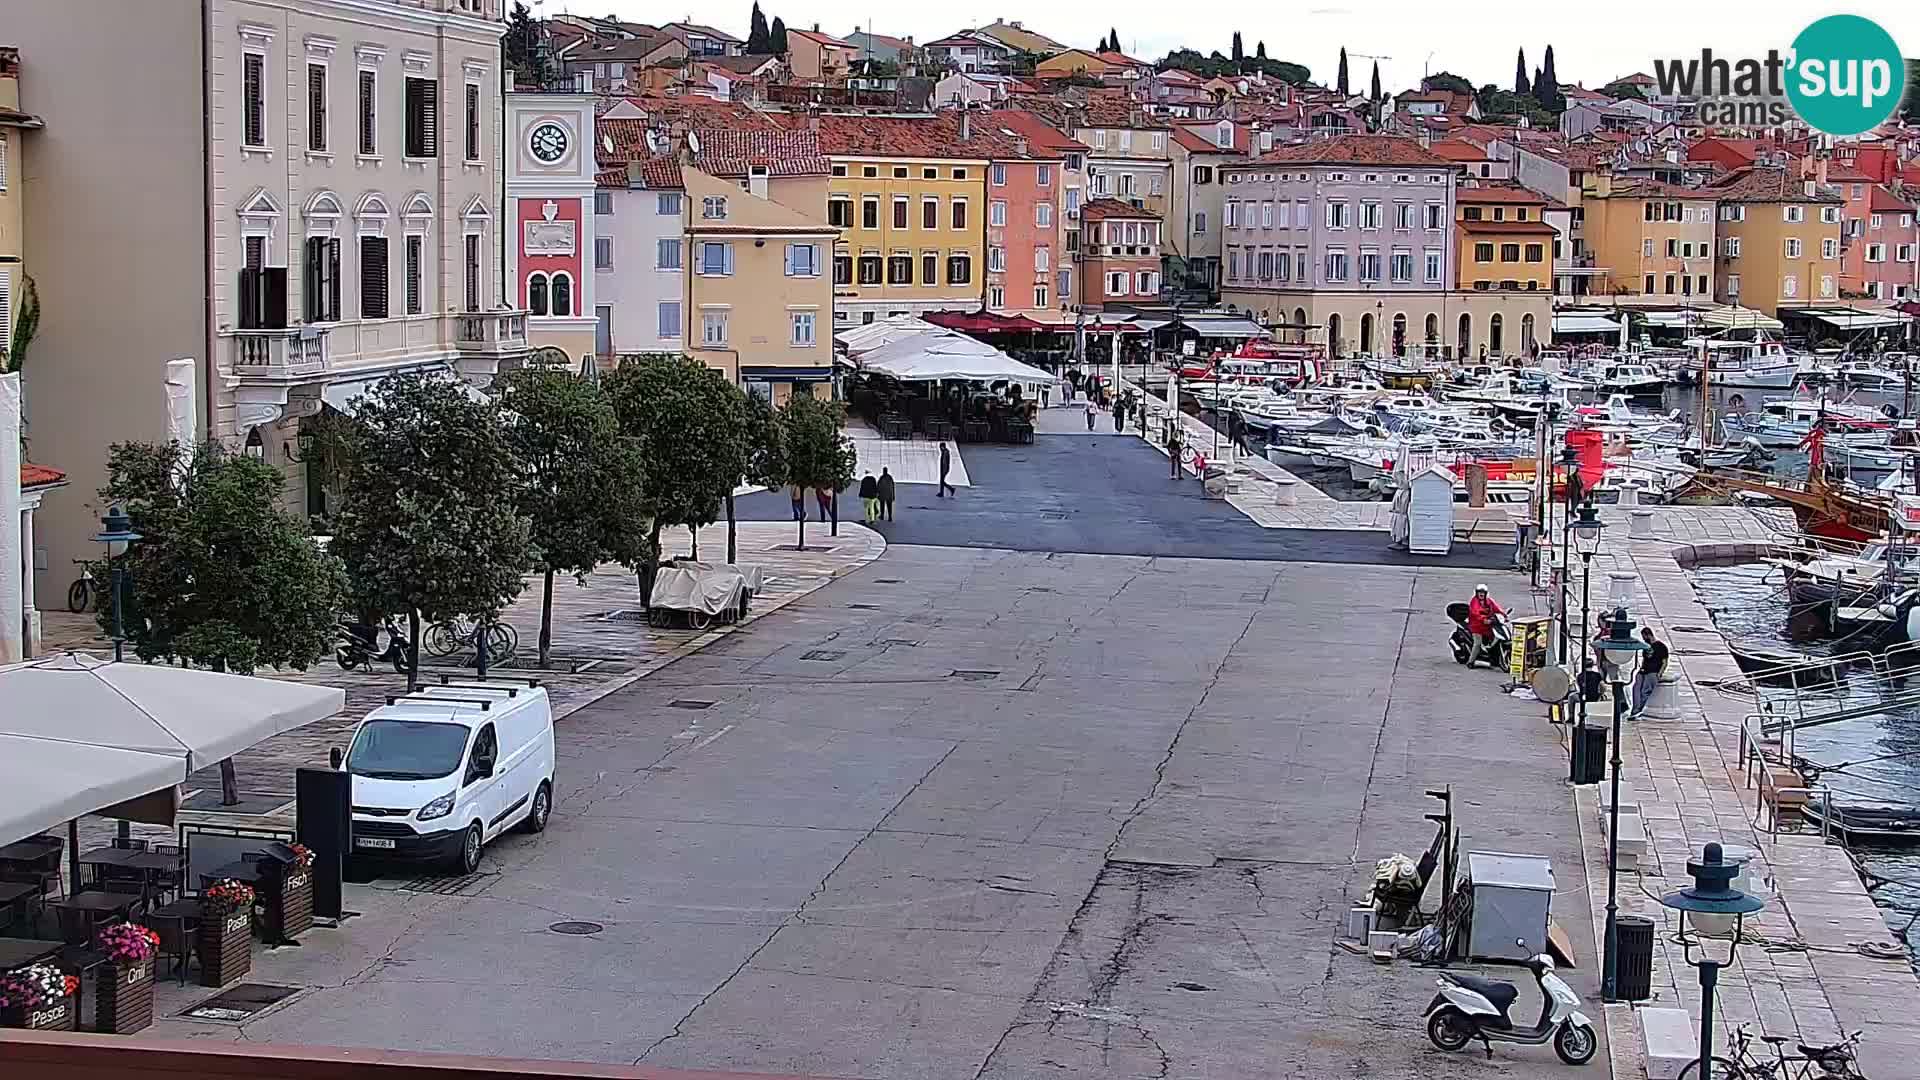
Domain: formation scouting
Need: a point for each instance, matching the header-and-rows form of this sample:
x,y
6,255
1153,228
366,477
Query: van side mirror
x,y
334,757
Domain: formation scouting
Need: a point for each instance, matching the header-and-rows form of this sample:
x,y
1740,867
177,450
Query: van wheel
x,y
536,821
468,860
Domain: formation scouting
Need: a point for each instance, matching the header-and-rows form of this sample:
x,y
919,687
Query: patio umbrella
x,y
44,782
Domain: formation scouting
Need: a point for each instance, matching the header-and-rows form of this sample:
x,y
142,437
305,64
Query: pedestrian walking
x,y
1173,447
946,462
870,497
1120,418
825,498
799,495
886,492
1089,416
1653,663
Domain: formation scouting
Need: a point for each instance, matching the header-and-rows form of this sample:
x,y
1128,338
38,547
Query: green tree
x,y
815,454
777,37
427,522
26,326
1446,80
766,455
1619,90
1910,109
1260,50
1238,52
1340,80
222,576
1546,87
1373,92
759,37
1113,40
1520,83
685,417
520,47
583,486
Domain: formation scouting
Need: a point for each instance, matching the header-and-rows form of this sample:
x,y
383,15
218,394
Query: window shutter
x,y
373,277
368,143
473,271
249,299
727,258
311,254
273,301
333,279
317,107
423,118
473,121
413,274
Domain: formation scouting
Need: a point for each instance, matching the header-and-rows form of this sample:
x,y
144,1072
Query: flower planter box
x,y
225,947
289,903
123,1002
54,1016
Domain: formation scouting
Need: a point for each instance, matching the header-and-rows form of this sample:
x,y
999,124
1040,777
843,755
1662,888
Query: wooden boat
x,y
1822,507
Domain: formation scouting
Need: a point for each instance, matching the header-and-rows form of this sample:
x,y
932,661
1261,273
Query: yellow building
x,y
1651,242
909,196
759,298
1504,241
1779,238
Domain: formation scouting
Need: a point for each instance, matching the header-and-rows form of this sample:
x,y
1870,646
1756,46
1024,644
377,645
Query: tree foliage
x,y
1619,90
1546,86
1340,80
1373,91
1238,51
583,485
1504,106
1260,50
1910,109
1446,80
428,521
1521,84
520,47
759,36
814,452
222,576
777,37
1217,65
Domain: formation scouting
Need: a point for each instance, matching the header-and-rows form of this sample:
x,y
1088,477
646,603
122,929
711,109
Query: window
x,y
1830,215
1076,163
1200,223
1483,252
423,118
562,294
1536,253
716,259
870,212
1369,265
1470,213
1040,295
1043,215
997,214
843,269
1403,216
1117,283
1266,215
899,172
603,203
959,174
473,121
1042,260
1146,283
1733,284
1337,216
930,269
1646,247
1156,184
713,208
713,328
803,260
996,260
900,269
1903,253
1795,212
666,256
373,277
1826,286
802,329
839,170
999,173
959,268
369,139
1669,283
1793,247
929,173
667,202
1790,285
1499,213
1402,269
1876,253
959,213
1875,221
1829,248
870,268
1436,215
322,276
996,296
1733,213
1435,263
1673,248
1043,175
1203,174
1300,214
1369,215
1230,215
473,271
1233,264
1647,285
1126,140
317,108
929,213
1733,247
416,245
840,213
1284,265
900,211
870,171
253,99
1099,140
1336,269
1159,140
669,319
1700,284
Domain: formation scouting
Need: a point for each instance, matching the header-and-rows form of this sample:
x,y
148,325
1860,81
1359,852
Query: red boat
x,y
1821,507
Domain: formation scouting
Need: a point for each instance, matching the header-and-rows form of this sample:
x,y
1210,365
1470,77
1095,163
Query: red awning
x,y
982,322
1911,307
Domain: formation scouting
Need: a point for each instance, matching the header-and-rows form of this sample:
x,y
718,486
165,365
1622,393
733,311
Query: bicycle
x,y
80,593
1833,1061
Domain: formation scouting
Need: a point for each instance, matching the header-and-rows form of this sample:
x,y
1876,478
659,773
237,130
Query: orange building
x,y
1023,229
1119,255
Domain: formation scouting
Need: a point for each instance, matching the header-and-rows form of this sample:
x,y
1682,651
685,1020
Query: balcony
x,y
291,353
496,334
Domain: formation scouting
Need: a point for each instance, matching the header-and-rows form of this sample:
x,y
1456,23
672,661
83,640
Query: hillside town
x,y
566,546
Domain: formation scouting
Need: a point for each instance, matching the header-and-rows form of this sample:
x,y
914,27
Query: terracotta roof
x,y
32,475
1021,38
1116,111
936,136
1040,135
1641,187
726,152
658,172
1197,143
882,41
1098,209
1121,58
1531,227
636,48
1847,174
1509,194
1353,150
744,64
704,31
1459,150
702,112
1882,201
824,39
1766,184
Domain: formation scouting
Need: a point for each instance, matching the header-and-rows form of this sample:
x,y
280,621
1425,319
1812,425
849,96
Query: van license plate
x,y
372,842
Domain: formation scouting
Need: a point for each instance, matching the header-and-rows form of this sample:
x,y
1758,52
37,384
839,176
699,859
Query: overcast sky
x,y
1592,42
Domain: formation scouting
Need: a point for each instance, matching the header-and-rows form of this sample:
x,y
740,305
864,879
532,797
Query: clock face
x,y
548,143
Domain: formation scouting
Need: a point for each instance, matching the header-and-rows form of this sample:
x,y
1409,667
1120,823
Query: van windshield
x,y
407,750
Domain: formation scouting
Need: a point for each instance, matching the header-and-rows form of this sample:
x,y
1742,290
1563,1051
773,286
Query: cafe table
x,y
20,952
90,909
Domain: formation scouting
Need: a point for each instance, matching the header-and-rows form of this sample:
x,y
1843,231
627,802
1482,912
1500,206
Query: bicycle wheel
x,y
502,642
441,640
1721,1069
80,596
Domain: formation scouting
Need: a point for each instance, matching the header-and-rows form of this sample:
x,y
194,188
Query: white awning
x,y
947,355
1734,317
1859,320
1584,324
46,782
866,337
1224,326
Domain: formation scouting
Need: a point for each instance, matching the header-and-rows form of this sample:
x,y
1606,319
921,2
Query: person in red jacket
x,y
1480,613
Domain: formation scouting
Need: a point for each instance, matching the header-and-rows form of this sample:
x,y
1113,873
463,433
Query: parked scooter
x,y
1469,1008
1462,641
360,645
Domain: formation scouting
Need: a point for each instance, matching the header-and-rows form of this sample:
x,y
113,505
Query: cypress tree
x,y
1239,53
1340,80
1260,51
777,37
1375,95
1520,84
759,39
1547,86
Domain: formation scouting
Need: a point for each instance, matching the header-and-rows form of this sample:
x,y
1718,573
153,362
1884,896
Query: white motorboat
x,y
1632,379
1762,364
1617,417
1868,376
1786,421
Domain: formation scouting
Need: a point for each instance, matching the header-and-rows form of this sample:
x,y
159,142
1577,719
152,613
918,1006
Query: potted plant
x,y
38,997
289,899
123,1001
225,940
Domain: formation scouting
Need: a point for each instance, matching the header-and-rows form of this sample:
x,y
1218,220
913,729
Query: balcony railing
x,y
494,332
293,351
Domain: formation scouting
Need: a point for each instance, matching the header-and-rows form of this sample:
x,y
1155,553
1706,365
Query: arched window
x,y
1526,333
1334,344
537,294
1433,328
1463,345
1400,334
1366,334
1494,326
562,293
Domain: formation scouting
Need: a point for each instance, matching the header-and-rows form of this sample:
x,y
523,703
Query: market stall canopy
x,y
866,337
1734,317
200,716
47,782
947,355
1231,326
1583,323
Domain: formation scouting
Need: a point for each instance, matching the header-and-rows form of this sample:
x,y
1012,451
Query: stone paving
x,y
1805,969
913,461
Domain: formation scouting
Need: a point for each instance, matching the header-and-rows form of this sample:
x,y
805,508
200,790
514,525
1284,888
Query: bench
x,y
1671,1041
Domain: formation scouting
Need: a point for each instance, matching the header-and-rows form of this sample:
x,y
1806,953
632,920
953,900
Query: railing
x,y
491,331
296,350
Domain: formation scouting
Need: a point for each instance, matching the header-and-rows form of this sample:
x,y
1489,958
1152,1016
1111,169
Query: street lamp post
x,y
1713,910
1586,531
1620,647
1570,458
116,531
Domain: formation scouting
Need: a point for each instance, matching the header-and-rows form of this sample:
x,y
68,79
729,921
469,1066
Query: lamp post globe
x,y
116,531
1586,529
1712,909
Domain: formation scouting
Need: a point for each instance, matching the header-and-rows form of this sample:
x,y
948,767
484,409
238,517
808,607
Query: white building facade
x,y
643,294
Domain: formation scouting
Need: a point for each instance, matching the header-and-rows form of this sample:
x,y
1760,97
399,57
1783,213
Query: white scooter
x,y
1469,1008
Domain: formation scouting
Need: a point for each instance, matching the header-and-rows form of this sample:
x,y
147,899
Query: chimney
x,y
966,123
1809,185
1820,171
813,120
1426,138
636,173
757,180
1020,145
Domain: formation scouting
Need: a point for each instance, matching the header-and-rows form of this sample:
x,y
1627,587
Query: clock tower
x,y
550,164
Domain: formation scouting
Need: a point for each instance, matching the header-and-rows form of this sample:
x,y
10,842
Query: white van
x,y
442,771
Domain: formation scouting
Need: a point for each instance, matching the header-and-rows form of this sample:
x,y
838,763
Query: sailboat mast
x,y
1705,377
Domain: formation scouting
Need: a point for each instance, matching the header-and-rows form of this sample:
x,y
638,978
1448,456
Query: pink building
x,y
1878,241
1023,230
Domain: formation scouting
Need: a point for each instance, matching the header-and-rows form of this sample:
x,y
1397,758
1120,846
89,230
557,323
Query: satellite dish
x,y
1551,684
606,143
693,142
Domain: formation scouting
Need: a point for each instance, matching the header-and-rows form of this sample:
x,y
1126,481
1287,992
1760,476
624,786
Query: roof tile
x,y
1353,150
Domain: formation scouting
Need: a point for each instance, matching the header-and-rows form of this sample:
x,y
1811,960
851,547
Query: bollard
x,y
1664,702
1629,496
1283,491
1642,525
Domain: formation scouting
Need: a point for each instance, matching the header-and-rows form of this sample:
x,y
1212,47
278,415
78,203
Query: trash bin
x,y
1633,963
1589,754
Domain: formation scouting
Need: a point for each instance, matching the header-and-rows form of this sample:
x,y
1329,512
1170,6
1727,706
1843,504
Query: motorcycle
x,y
360,645
1462,640
1468,1008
